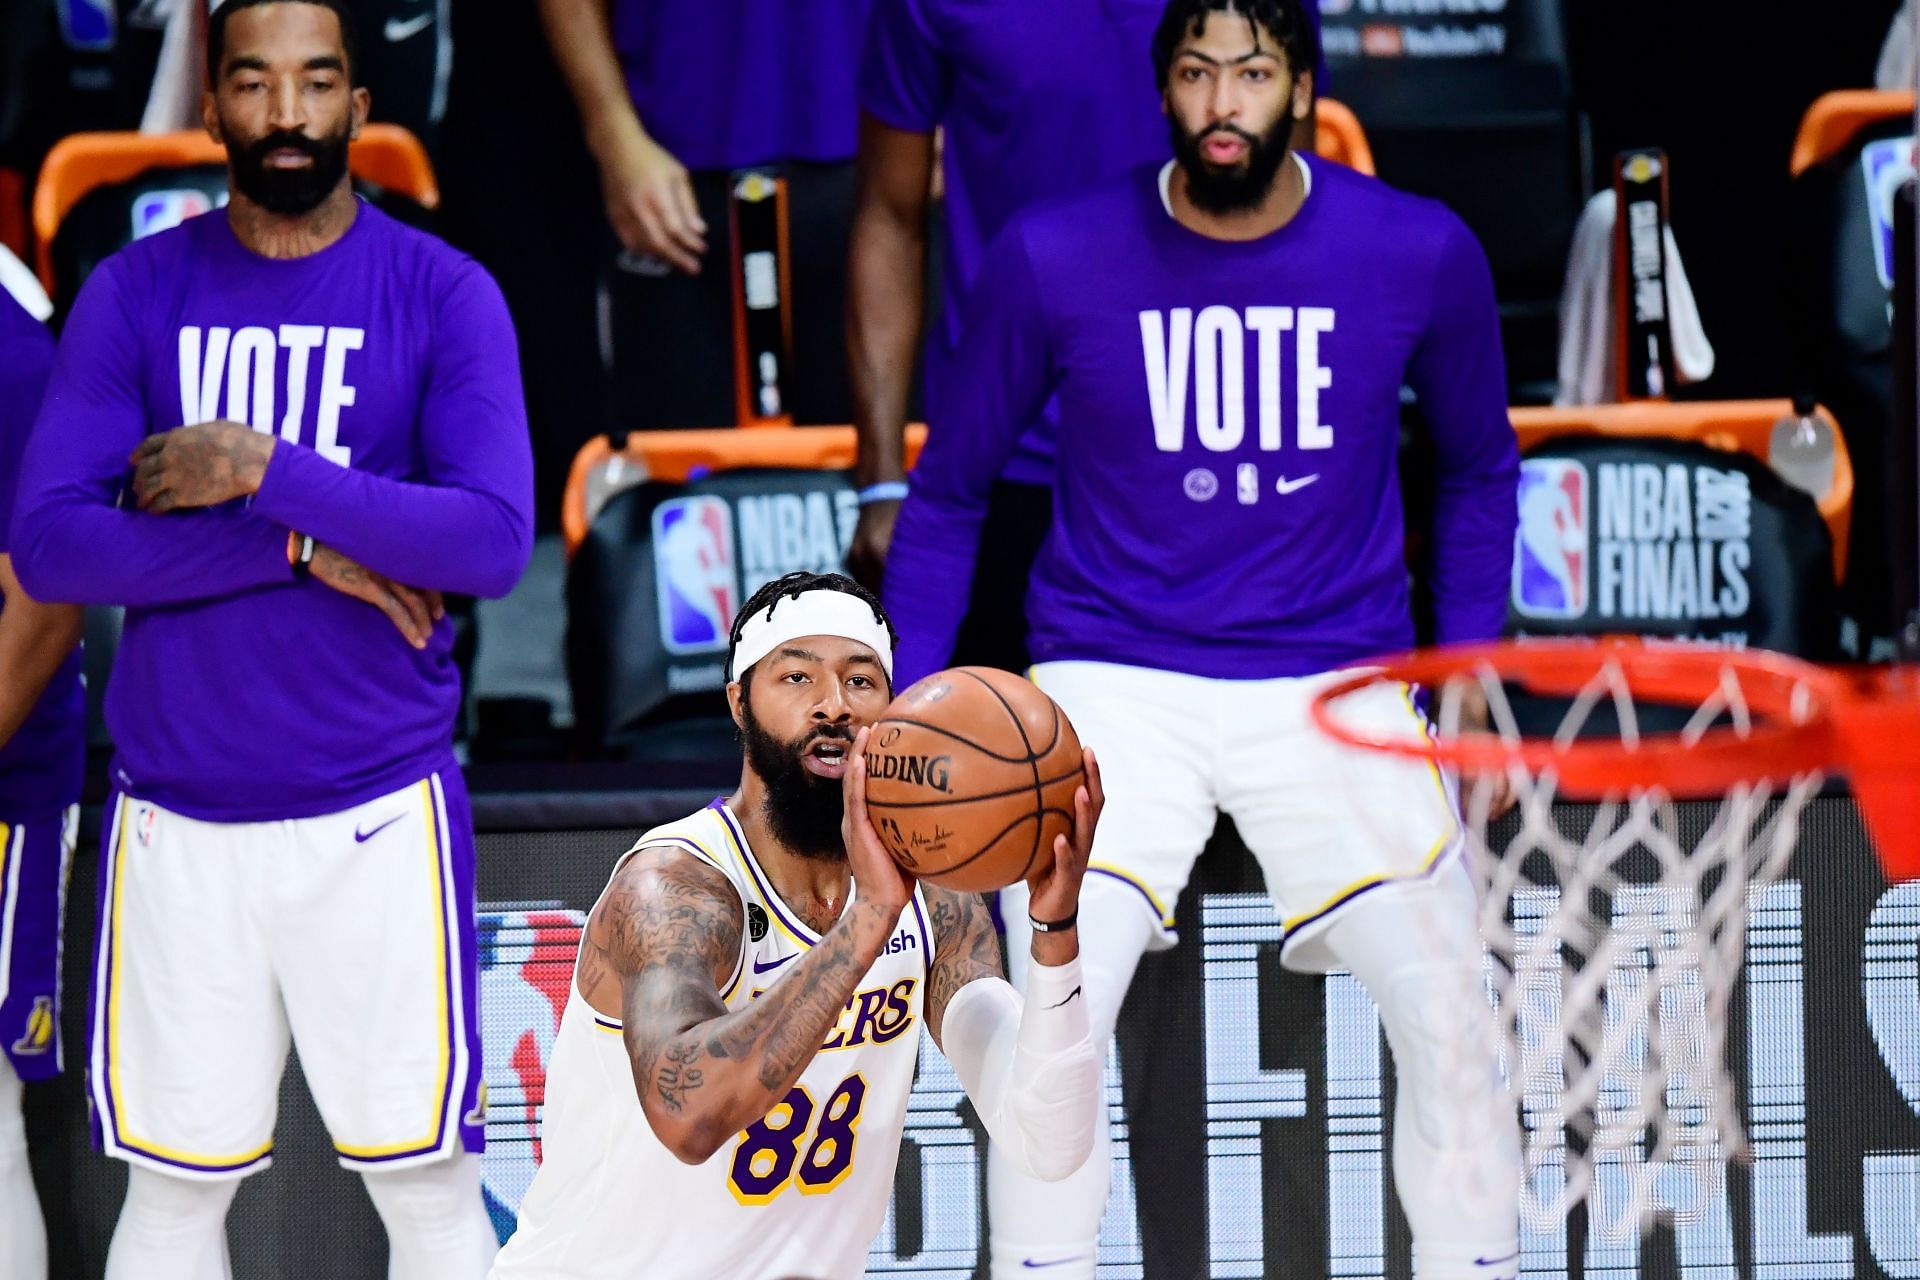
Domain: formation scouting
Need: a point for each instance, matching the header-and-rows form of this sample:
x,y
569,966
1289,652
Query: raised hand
x,y
881,880
1055,888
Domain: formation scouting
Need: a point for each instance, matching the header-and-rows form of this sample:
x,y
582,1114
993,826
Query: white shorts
x,y
350,935
1329,824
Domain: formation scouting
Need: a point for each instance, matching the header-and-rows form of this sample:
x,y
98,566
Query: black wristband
x,y
1053,926
300,555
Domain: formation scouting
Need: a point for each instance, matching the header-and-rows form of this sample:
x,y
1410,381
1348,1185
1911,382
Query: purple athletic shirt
x,y
387,365
723,84
1039,101
42,764
1227,502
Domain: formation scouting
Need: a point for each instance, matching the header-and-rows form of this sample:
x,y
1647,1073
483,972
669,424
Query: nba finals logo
x,y
694,573
526,971
1551,552
1887,166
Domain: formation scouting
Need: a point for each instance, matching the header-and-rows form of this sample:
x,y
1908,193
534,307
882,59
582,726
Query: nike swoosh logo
x,y
398,29
765,968
361,837
1064,1003
1284,486
1031,1265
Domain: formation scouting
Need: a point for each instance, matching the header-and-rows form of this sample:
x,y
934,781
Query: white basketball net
x,y
1613,949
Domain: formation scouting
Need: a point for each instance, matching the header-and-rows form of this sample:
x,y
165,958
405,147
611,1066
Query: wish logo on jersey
x,y
526,971
694,573
1551,550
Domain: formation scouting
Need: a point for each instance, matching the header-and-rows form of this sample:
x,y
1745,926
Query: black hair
x,y
217,33
1285,20
792,586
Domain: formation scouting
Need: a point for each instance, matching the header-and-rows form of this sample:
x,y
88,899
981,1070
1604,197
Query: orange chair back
x,y
1835,119
675,455
384,154
1338,136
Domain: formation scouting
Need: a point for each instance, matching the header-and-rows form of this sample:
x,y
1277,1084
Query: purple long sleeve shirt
x,y
1227,494
387,366
42,764
1039,101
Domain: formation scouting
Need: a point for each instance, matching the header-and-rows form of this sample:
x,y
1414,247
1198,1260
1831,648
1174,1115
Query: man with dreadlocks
x,y
729,1082
1226,337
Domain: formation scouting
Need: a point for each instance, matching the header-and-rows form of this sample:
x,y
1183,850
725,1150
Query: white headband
x,y
819,612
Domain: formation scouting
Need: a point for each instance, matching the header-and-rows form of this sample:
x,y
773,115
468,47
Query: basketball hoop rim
x,y
1794,706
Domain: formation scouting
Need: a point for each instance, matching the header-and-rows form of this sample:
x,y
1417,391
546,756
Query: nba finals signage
x,y
1665,539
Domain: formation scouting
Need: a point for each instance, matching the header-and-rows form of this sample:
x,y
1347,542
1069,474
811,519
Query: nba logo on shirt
x,y
694,572
1551,551
158,211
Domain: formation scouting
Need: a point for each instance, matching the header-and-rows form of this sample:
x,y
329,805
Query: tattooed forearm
x,y
669,927
965,947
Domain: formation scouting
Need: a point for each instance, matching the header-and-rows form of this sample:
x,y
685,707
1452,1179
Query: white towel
x,y
173,101
1898,69
17,280
1586,313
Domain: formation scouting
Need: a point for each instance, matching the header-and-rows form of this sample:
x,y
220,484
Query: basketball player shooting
x,y
1227,336
727,1089
288,856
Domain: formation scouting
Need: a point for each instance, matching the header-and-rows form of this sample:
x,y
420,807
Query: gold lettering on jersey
x,y
877,1015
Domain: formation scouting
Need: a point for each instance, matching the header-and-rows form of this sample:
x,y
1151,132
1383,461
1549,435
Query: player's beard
x,y
290,192
1235,188
803,809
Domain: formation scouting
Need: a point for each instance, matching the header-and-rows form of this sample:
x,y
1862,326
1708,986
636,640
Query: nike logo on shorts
x,y
1284,486
361,837
398,29
767,968
1031,1265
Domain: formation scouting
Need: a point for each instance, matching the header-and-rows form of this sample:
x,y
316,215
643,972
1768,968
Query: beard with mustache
x,y
1235,189
803,809
290,192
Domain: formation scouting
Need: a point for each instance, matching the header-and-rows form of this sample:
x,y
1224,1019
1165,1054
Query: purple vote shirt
x,y
386,364
42,764
1227,500
1039,100
723,84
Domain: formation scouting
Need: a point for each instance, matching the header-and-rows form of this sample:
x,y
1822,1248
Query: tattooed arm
x,y
671,928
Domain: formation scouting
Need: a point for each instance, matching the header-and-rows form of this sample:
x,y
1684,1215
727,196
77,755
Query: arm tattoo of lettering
x,y
965,947
671,928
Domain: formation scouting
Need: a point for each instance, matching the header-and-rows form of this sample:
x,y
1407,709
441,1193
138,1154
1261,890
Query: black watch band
x,y
300,555
1053,926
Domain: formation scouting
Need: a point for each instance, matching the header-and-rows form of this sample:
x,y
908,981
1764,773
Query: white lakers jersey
x,y
800,1193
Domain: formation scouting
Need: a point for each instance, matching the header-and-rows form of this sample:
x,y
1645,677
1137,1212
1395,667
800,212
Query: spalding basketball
x,y
970,775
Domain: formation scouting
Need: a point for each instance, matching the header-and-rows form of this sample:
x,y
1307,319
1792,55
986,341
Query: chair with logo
x,y
1854,151
159,179
1663,520
666,536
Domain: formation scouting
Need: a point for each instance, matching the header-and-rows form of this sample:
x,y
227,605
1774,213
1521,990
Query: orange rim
x,y
1790,734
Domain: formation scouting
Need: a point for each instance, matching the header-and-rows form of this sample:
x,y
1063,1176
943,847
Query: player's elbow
x,y
35,559
691,1140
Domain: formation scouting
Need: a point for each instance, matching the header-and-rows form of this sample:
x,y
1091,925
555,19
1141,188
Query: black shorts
x,y
666,339
994,632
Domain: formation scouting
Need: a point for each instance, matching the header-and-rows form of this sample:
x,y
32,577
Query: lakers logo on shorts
x,y
477,1118
39,1033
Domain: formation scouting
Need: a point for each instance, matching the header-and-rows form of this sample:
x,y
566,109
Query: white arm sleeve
x,y
1030,1066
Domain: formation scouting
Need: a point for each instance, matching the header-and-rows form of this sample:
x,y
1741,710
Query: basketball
x,y
970,775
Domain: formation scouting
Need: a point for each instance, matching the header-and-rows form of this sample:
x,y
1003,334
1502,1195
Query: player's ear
x,y
210,116
734,698
362,105
1303,95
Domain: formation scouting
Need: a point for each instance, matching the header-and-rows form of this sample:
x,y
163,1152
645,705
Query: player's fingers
x,y
147,448
689,207
660,243
672,212
436,605
1096,791
854,782
418,613
1083,823
391,605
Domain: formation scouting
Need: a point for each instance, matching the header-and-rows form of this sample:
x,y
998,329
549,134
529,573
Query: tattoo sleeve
x,y
965,947
703,1073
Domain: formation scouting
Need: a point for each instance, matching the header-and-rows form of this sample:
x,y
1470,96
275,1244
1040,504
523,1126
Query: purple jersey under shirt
x,y
1038,101
387,365
42,764
1227,502
723,84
